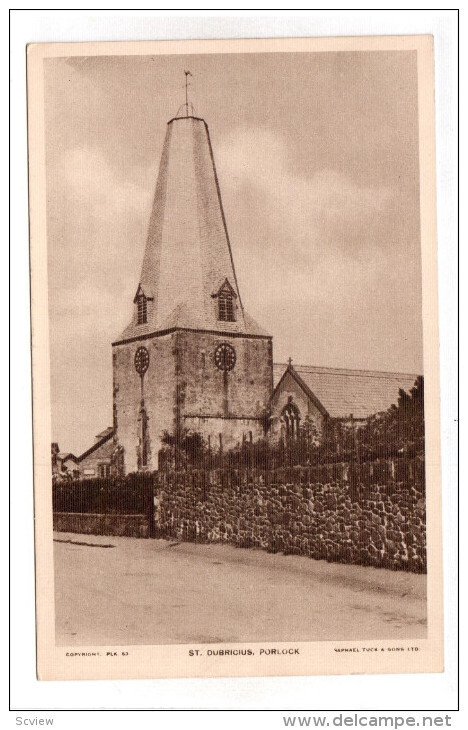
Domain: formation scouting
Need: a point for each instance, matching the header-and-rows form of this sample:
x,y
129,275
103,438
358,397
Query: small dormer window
x,y
141,301
226,307
142,309
226,302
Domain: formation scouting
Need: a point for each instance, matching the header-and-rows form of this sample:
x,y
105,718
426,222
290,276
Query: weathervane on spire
x,y
187,74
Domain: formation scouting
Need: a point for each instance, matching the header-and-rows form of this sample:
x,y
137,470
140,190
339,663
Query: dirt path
x,y
116,591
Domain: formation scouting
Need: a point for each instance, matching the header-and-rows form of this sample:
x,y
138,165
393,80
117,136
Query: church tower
x,y
191,357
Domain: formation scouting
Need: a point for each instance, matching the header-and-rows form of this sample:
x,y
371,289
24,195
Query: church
x,y
192,358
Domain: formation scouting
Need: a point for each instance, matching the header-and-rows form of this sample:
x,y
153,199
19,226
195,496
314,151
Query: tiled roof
x,y
342,392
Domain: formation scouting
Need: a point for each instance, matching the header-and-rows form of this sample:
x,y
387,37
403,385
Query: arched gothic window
x,y
143,446
291,417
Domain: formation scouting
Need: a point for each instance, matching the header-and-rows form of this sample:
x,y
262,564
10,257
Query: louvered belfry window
x,y
226,307
142,309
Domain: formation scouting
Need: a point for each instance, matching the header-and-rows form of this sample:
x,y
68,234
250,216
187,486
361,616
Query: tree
x,y
186,448
400,429
396,432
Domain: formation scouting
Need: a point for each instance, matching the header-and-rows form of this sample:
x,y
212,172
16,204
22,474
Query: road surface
x,y
124,591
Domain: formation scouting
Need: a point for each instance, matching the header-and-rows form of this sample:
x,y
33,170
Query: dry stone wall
x,y
372,515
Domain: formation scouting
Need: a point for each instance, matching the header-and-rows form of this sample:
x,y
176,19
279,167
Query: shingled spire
x,y
188,278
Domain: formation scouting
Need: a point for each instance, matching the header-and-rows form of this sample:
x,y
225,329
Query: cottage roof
x,y
188,253
63,456
105,436
107,432
344,392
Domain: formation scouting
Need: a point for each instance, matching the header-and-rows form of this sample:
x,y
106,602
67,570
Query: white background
x,y
300,695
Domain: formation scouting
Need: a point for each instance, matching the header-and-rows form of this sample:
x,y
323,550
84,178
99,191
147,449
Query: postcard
x,y
235,358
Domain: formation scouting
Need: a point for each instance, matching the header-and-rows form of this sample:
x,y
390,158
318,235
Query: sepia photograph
x,y
235,365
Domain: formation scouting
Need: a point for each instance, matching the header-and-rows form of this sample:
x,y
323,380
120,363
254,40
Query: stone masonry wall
x,y
159,393
99,524
244,392
183,384
373,514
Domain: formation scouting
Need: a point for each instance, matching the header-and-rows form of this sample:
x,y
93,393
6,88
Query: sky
x,y
317,159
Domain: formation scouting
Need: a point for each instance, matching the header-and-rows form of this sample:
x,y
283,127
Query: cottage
x,y
97,460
